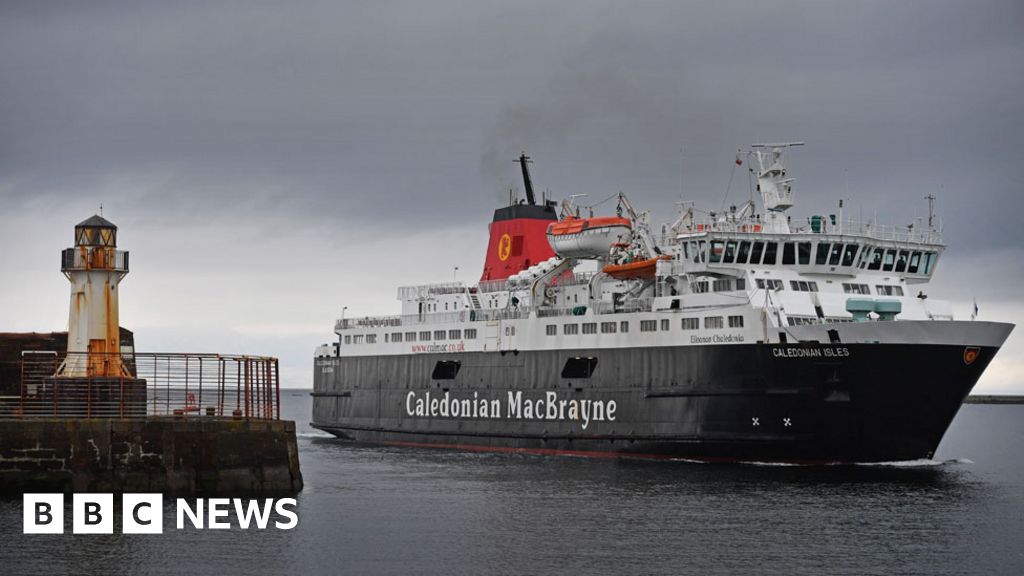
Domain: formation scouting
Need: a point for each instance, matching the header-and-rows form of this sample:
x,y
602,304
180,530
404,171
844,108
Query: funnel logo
x,y
504,247
971,354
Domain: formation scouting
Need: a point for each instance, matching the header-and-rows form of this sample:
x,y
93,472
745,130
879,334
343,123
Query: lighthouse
x,y
95,268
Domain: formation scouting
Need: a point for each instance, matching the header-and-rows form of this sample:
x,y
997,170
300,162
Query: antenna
x,y
523,161
931,208
101,209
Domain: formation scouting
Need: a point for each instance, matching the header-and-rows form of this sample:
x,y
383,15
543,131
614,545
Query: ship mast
x,y
776,190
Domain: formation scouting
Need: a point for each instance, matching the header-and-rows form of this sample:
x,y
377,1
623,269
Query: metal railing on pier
x,y
58,385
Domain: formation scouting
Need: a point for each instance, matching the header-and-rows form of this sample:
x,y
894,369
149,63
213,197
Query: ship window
x,y
850,254
396,337
887,290
803,286
665,325
470,333
410,336
803,252
590,327
856,288
579,367
735,321
446,306
439,334
686,250
915,263
769,283
862,261
930,258
455,334
648,325
691,323
699,287
348,339
721,285
446,370
357,339
741,284
770,249
821,256
713,322
571,329
755,252
788,254
890,260
424,336
371,338
624,326
730,252
901,261
743,253
837,252
703,247
876,259
551,329
608,327
716,252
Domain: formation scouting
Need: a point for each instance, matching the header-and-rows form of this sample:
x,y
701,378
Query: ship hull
x,y
730,402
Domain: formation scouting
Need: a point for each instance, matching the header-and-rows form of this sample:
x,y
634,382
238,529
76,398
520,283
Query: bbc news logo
x,y
143,513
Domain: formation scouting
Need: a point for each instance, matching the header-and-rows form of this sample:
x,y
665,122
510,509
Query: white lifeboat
x,y
588,237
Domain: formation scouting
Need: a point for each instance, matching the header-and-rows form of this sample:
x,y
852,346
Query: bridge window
x,y
735,321
821,256
803,252
915,263
716,252
901,261
929,261
744,252
837,252
876,259
770,251
648,325
570,329
607,327
788,254
755,252
890,260
730,252
713,322
470,333
551,329
850,254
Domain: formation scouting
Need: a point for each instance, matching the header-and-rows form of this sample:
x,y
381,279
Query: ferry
x,y
735,336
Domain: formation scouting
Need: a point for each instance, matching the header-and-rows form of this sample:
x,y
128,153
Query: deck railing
x,y
146,384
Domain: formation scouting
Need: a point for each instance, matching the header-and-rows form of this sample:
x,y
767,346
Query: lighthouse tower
x,y
95,268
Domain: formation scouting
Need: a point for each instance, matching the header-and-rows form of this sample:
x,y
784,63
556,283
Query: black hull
x,y
751,402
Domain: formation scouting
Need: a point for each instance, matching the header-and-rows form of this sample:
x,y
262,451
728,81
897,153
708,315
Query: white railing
x,y
918,233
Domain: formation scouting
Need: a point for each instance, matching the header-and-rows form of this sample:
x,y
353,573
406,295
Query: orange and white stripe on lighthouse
x,y
95,268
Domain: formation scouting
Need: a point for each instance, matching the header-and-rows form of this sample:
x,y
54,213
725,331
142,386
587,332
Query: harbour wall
x,y
173,455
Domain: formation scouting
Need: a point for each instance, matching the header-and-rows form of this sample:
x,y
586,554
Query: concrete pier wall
x,y
195,455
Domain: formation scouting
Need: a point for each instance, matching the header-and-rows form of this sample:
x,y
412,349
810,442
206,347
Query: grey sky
x,y
270,162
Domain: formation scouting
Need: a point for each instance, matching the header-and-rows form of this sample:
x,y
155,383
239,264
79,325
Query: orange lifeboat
x,y
631,270
587,237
